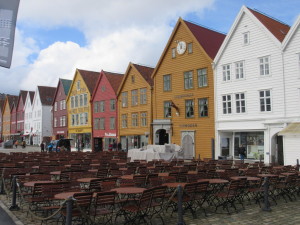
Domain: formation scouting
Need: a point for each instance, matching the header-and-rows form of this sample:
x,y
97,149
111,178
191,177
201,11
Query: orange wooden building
x,y
183,98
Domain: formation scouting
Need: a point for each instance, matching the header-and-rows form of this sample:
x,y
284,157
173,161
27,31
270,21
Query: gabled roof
x,y
274,29
209,40
277,28
46,94
115,79
23,95
145,72
291,33
12,100
90,78
66,85
31,95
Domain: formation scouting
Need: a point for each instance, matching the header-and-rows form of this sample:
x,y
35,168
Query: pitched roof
x,y
277,28
23,95
90,78
66,85
12,100
46,94
209,40
146,72
115,79
31,95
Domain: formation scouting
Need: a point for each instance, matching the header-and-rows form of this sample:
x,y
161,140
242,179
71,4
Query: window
x,y
132,79
240,103
85,99
55,122
112,123
202,77
203,107
86,118
246,40
124,99
102,123
55,106
226,72
188,80
264,66
189,108
96,124
124,120
96,107
76,101
143,96
60,121
265,100
78,85
173,53
76,119
134,97
61,105
134,119
81,100
73,120
190,48
143,119
239,70
167,109
226,100
72,102
112,105
167,82
64,121
64,104
81,115
102,106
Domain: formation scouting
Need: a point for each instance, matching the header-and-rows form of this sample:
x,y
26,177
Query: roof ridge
x,y
271,17
206,27
139,64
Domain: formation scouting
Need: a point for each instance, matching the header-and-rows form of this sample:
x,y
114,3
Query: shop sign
x,y
60,132
188,125
110,134
184,96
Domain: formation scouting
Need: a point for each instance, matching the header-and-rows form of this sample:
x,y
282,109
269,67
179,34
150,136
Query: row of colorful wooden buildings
x,y
209,93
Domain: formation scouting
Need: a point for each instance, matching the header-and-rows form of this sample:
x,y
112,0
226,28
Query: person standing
x,y
114,146
242,152
42,145
119,146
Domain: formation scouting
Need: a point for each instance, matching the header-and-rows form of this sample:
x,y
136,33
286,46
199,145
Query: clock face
x,y
181,47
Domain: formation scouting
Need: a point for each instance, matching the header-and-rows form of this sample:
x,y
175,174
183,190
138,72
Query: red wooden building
x,y
104,105
20,111
59,109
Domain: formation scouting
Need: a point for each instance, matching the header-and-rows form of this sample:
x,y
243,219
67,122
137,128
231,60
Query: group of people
x,y
23,143
114,146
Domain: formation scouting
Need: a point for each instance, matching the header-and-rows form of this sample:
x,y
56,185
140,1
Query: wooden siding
x,y
6,121
128,86
203,126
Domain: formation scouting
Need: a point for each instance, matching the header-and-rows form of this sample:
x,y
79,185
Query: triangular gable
x,y
22,96
90,78
268,24
65,86
46,94
145,74
291,33
208,40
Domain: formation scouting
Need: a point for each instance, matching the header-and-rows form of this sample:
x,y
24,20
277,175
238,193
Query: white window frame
x,y
227,104
55,106
112,123
81,100
134,119
124,121
102,123
55,122
239,102
78,85
124,99
143,119
101,106
173,53
226,71
167,82
188,78
246,38
72,102
134,97
264,66
112,104
190,47
239,70
143,96
264,98
202,77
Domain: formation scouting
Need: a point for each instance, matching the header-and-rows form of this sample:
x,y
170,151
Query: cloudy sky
x,y
54,37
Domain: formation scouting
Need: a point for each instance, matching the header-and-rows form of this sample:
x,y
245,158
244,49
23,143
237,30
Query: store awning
x,y
291,129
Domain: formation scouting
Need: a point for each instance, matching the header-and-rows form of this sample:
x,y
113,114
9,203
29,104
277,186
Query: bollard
x,y
179,205
297,164
14,206
69,211
2,191
266,195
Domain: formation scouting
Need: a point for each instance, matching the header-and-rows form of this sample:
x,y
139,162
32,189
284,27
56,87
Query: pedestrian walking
x,y
42,145
119,146
114,146
16,143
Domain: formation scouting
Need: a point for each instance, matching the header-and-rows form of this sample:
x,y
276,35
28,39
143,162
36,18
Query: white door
x,y
187,140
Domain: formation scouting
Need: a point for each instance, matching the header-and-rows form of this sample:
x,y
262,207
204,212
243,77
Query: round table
x,y
267,175
163,174
127,177
86,179
174,185
32,183
248,178
65,195
129,190
214,181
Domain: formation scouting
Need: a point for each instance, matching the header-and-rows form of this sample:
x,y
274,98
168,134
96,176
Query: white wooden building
x,y
28,118
249,90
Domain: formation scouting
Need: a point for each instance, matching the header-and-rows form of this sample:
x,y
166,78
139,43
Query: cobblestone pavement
x,y
283,213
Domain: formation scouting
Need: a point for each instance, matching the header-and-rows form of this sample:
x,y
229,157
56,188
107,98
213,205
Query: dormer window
x,y
173,53
132,79
190,48
78,85
246,37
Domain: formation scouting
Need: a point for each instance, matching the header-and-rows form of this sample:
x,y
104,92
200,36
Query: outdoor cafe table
x,y
31,183
174,185
214,181
129,190
267,175
65,195
248,178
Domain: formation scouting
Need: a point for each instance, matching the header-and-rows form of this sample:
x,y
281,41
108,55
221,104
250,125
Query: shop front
x,y
134,141
81,141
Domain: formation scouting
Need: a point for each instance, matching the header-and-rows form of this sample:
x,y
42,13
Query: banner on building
x,y
8,19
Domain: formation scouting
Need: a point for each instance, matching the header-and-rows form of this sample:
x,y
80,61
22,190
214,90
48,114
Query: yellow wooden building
x,y
6,117
134,107
183,96
79,108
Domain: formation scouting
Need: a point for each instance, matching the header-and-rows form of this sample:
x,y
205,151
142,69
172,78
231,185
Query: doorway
x,y
187,140
163,137
98,144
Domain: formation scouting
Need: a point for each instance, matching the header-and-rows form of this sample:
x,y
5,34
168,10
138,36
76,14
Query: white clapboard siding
x,y
291,149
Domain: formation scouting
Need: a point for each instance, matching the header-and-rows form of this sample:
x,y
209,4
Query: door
x,y
187,140
280,150
98,144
